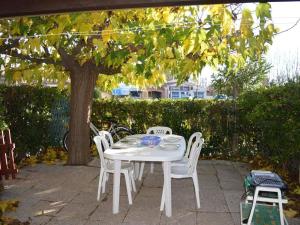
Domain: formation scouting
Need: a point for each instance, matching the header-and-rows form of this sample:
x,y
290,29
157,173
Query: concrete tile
x,y
76,211
225,173
95,162
40,220
233,199
153,180
145,210
221,162
293,221
243,168
236,184
206,168
86,197
214,219
190,218
55,194
149,216
58,194
206,162
212,201
46,208
183,204
182,183
69,221
150,192
208,181
104,213
25,210
90,222
136,223
236,218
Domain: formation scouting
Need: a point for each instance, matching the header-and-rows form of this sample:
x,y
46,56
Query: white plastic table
x,y
135,152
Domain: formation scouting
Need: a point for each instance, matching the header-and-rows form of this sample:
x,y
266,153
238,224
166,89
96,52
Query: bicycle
x,y
117,132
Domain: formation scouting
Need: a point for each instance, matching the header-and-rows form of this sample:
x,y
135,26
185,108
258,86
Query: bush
x,y
265,122
270,123
212,118
28,115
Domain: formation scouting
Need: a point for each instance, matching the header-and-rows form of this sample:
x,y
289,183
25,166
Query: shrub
x,y
212,118
28,115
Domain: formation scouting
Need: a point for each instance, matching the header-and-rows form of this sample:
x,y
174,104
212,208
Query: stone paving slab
x,y
66,195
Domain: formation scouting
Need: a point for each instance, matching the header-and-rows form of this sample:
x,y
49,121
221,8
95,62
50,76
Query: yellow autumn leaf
x,y
246,23
290,213
98,17
169,52
85,27
188,45
17,75
297,190
106,35
27,74
226,23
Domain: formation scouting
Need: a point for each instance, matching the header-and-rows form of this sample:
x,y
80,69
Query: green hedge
x,y
212,118
267,121
270,123
28,114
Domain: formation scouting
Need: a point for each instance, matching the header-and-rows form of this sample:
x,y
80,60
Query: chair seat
x,y
180,171
181,162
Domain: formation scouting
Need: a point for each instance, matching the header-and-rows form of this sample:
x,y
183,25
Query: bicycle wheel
x,y
66,140
120,132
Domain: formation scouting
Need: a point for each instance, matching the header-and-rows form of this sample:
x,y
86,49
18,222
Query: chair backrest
x,y
193,138
194,155
108,136
101,144
159,130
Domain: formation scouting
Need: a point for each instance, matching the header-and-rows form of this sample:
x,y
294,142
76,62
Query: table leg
x,y
116,189
136,170
167,188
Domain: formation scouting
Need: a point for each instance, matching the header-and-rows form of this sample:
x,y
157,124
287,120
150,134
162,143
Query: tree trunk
x,y
82,85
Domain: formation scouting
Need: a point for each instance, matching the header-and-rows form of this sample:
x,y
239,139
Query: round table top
x,y
170,148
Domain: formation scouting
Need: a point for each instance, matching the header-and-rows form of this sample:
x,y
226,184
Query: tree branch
x,y
9,49
289,27
14,53
68,61
103,69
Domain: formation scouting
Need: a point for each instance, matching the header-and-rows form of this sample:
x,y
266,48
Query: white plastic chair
x,y
154,130
108,137
107,166
193,138
187,170
110,140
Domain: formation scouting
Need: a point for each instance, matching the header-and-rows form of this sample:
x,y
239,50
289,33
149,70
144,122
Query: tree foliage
x,y
252,75
137,46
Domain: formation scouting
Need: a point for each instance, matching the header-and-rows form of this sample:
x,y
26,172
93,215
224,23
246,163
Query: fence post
x,y
7,161
3,157
10,147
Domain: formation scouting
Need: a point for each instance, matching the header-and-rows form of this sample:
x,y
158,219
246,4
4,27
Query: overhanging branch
x,y
14,53
108,70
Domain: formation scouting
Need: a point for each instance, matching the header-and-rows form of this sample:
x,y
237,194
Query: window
x,y
174,94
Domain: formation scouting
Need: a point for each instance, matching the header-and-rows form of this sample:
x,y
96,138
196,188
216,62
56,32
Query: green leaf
x,y
263,10
246,23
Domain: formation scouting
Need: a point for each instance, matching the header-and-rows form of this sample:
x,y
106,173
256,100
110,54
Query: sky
x,y
284,53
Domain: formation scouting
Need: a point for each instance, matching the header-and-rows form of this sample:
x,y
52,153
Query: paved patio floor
x,y
66,195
